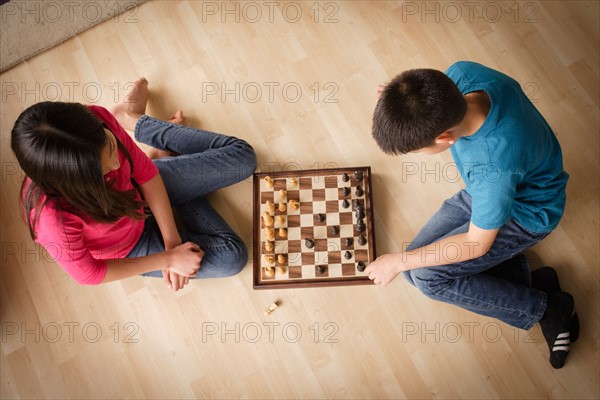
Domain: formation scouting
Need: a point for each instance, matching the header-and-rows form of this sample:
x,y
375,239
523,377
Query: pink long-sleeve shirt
x,y
80,244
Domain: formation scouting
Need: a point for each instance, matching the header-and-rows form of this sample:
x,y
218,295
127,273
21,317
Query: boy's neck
x,y
478,108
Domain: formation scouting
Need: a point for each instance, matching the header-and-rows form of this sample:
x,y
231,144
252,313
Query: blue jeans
x,y
496,285
207,161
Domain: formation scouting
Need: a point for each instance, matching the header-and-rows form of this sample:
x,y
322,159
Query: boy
x,y
468,252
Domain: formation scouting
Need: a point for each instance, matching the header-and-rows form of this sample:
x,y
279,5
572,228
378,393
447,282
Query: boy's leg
x,y
208,161
466,284
453,218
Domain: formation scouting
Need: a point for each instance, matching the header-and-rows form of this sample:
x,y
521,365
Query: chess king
x,y
511,163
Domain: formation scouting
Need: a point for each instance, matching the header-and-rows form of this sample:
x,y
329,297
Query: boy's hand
x,y
380,89
384,269
173,280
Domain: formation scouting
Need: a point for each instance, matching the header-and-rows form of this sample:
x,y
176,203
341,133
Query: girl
x,y
87,185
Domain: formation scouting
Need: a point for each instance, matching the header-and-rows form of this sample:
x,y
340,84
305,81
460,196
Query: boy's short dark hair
x,y
414,108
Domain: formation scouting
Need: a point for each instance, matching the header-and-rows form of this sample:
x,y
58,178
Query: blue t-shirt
x,y
512,165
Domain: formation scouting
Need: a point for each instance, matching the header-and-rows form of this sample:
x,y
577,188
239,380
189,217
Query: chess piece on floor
x,y
271,308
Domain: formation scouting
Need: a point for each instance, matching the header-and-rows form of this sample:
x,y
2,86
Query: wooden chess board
x,y
324,215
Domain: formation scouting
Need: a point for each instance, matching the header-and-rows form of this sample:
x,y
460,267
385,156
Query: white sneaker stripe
x,y
565,341
559,348
564,335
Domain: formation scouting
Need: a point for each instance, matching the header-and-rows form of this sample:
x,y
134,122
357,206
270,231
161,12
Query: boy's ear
x,y
446,137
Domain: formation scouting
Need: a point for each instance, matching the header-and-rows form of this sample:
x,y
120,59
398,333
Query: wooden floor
x,y
297,80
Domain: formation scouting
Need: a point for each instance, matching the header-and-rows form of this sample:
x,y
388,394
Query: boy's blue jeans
x,y
495,285
208,161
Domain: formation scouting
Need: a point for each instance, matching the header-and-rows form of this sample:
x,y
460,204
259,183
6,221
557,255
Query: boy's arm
x,y
462,247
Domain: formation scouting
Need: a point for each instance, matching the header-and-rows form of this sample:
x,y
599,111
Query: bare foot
x,y
178,119
133,106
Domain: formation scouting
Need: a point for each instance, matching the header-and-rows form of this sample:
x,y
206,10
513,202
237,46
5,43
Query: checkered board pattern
x,y
318,192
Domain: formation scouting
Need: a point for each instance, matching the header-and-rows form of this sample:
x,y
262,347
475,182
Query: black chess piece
x,y
360,266
362,240
355,203
345,204
347,255
358,175
345,191
320,217
345,178
360,226
335,229
309,243
360,214
359,191
320,269
348,241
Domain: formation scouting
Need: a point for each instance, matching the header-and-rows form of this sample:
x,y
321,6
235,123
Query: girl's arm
x,y
157,198
183,260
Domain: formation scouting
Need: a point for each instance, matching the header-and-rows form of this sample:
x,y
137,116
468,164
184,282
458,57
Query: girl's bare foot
x,y
178,119
133,106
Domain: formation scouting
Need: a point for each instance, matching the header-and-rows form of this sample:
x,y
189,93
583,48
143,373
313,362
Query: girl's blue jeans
x,y
496,285
206,162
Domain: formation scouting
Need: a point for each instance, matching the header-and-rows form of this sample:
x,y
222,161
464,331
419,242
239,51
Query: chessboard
x,y
313,228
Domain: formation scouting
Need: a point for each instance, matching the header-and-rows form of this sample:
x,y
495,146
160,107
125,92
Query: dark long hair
x,y
416,107
58,146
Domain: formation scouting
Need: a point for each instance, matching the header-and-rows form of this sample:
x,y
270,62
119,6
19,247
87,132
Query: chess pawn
x,y
293,204
280,270
269,246
280,259
271,308
269,182
282,207
280,219
269,258
270,206
282,232
293,182
282,194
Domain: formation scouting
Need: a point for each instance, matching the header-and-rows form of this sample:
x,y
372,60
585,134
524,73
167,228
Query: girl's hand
x,y
184,259
173,280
